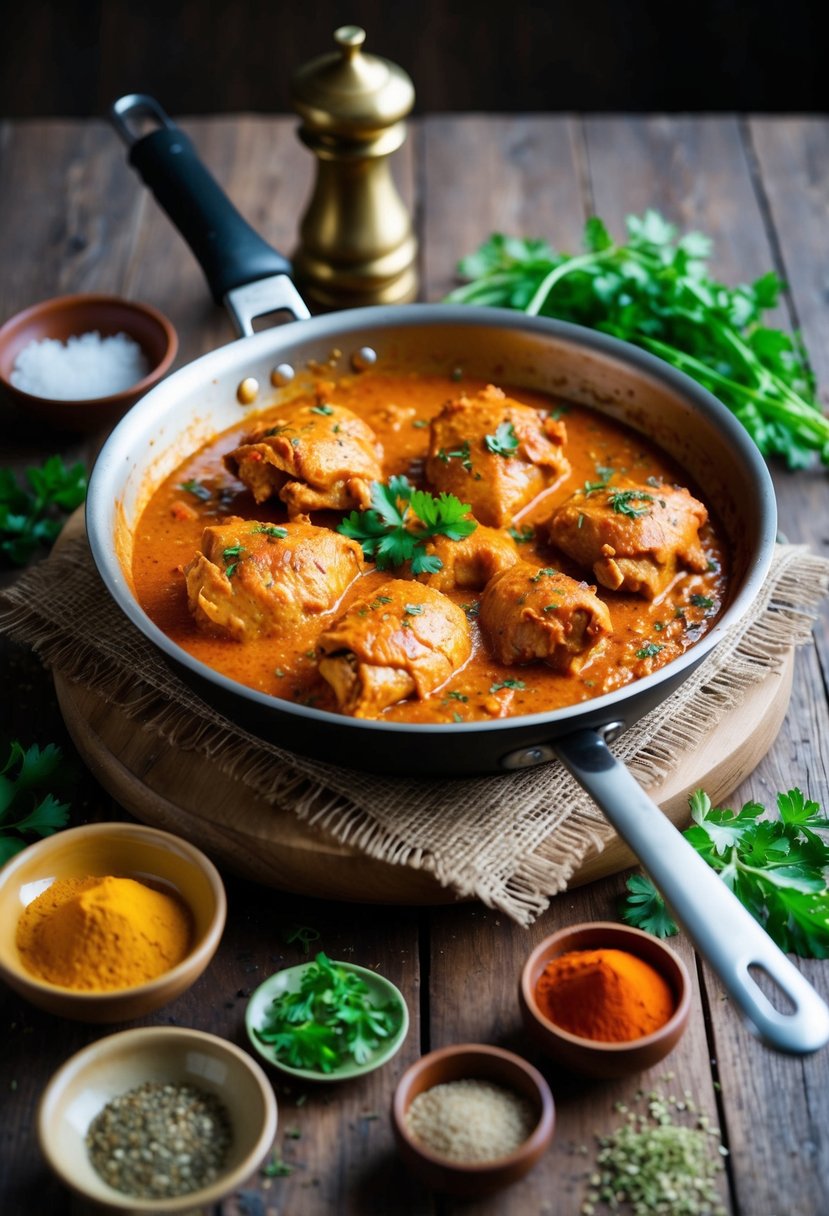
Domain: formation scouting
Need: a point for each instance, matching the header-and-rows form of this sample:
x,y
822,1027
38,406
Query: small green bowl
x,y
381,991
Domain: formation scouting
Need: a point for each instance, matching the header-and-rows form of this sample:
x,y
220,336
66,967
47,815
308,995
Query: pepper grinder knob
x,y
356,242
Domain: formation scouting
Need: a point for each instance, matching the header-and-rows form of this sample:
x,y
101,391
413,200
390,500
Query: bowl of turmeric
x,y
108,922
604,999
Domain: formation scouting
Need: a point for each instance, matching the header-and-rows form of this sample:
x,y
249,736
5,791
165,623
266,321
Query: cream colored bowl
x,y
89,1080
125,850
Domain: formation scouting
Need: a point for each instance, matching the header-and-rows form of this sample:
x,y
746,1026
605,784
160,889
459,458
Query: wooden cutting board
x,y
184,793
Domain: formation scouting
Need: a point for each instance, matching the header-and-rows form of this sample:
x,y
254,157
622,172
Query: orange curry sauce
x,y
170,528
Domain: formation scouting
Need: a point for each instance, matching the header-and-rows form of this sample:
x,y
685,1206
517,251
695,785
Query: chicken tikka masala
x,y
418,549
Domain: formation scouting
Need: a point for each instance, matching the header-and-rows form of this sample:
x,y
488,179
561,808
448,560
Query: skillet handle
x,y
231,254
723,930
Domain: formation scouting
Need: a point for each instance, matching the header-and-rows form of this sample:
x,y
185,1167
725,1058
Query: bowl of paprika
x,y
604,999
108,922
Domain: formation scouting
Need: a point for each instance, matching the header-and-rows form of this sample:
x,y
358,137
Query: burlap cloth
x,y
511,841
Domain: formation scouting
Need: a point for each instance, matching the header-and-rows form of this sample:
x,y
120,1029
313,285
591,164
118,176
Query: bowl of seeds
x,y
160,1119
471,1119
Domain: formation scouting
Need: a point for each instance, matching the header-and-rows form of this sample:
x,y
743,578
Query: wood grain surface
x,y
77,219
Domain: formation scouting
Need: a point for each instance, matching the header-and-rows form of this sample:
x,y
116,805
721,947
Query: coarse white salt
x,y
470,1120
84,367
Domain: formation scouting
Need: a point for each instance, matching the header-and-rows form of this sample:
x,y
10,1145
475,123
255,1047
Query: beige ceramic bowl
x,y
476,1061
67,316
89,1080
129,851
587,1056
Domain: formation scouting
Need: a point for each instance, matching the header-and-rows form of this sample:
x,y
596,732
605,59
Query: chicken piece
x,y
532,615
495,454
405,640
470,563
256,579
634,537
314,457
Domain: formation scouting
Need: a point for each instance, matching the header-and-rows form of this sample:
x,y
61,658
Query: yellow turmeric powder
x,y
608,995
95,934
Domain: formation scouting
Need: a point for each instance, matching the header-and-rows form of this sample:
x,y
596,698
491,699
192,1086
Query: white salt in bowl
x,y
66,317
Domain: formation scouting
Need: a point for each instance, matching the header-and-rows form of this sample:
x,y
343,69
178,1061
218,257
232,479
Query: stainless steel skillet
x,y
627,384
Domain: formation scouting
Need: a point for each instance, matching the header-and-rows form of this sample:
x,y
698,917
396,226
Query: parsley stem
x,y
549,281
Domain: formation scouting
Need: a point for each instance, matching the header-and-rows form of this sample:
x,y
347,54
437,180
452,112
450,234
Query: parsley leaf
x,y
656,290
400,519
778,868
197,489
26,807
331,1019
499,684
504,442
522,536
621,501
649,651
270,530
33,517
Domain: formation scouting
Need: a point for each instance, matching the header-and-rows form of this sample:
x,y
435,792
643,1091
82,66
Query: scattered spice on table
x,y
606,995
101,933
653,1165
160,1140
82,368
470,1120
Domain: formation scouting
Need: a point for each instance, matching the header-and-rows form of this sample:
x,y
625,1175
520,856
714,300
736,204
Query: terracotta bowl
x,y
65,316
479,1062
124,850
112,1066
588,1056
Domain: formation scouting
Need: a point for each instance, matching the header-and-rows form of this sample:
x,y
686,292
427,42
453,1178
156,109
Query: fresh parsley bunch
x,y
400,519
656,291
26,809
330,1019
778,868
33,516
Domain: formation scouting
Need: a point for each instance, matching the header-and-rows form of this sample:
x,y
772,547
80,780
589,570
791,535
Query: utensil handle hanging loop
x,y
231,254
723,930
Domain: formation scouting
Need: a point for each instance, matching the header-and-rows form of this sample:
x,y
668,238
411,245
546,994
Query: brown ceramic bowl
x,y
125,850
479,1062
112,1066
588,1056
66,316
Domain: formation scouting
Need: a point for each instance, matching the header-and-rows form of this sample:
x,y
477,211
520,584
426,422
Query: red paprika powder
x,y
608,995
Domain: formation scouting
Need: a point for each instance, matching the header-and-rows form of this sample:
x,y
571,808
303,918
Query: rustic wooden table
x,y
74,218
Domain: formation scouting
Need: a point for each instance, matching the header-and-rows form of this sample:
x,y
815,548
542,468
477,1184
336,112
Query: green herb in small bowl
x,y
327,1021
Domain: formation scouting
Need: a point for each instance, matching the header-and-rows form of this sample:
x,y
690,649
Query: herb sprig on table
x,y
400,519
778,868
656,291
27,808
32,516
329,1021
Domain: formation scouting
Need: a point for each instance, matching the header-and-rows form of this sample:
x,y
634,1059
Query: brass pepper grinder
x,y
356,240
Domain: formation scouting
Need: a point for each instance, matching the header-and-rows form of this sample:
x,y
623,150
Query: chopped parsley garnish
x,y
458,696
539,574
197,490
504,442
522,536
659,626
276,430
456,717
325,410
581,519
413,609
378,600
420,423
649,650
270,530
399,521
551,608
471,610
621,501
702,601
462,454
499,684
229,554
